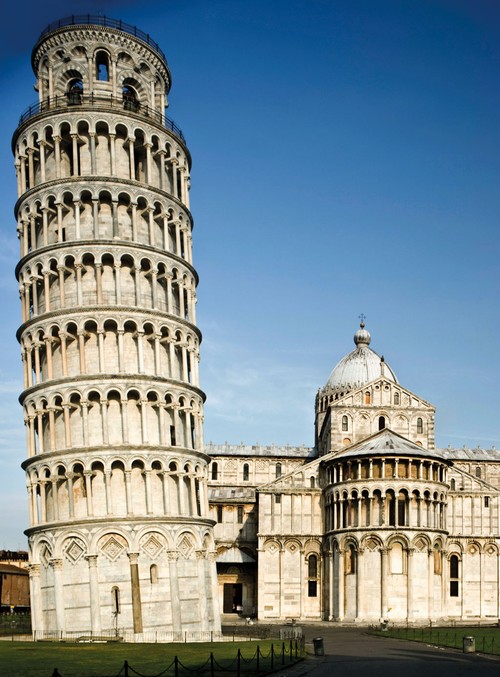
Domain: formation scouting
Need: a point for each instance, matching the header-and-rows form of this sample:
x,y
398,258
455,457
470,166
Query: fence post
x,y
283,653
238,669
211,664
272,656
258,659
125,669
291,651
176,666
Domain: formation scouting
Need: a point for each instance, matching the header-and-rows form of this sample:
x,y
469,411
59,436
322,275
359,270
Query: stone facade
x,y
120,534
373,523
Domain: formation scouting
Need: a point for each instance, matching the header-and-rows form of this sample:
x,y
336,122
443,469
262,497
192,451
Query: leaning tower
x,y
120,540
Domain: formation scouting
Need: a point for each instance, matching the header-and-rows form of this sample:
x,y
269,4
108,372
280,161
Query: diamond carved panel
x,y
185,547
152,546
45,555
74,550
112,548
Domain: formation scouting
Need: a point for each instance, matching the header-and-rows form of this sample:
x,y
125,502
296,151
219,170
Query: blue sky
x,y
345,161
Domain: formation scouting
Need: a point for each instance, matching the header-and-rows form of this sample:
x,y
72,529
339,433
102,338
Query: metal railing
x,y
95,20
73,101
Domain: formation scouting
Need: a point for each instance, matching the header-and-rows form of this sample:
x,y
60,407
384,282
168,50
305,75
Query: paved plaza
x,y
352,652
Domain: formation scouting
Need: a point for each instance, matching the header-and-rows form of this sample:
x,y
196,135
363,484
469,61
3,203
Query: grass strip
x,y
39,659
487,640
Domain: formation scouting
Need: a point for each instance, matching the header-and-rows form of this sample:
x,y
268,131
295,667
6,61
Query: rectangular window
x,y
312,588
240,514
219,514
486,501
277,498
453,588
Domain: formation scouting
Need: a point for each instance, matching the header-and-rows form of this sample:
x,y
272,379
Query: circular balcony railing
x,y
74,100
95,20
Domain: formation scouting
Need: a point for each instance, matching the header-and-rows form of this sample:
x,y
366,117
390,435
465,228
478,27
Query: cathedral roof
x,y
385,442
360,366
250,451
466,454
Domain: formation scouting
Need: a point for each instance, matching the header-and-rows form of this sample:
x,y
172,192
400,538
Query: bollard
x,y
319,649
469,644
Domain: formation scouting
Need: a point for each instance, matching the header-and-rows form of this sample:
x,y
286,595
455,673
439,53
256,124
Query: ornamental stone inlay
x,y
112,548
74,551
152,546
185,547
45,555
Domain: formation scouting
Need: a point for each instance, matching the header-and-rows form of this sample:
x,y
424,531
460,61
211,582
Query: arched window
x,y
75,92
246,472
312,482
367,398
381,422
312,576
130,101
437,560
478,471
115,599
454,576
153,574
350,560
102,66
396,398
278,470
420,426
215,470
452,485
345,424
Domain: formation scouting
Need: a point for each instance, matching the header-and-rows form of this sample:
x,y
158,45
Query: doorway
x,y
233,598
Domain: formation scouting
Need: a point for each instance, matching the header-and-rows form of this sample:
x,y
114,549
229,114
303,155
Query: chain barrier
x,y
237,666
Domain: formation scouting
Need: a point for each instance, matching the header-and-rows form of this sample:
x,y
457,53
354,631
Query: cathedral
x,y
371,524
137,528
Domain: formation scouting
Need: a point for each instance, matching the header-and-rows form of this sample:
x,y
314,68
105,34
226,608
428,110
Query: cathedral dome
x,y
360,366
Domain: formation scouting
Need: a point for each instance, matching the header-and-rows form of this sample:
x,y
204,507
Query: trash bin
x,y
384,624
319,649
469,645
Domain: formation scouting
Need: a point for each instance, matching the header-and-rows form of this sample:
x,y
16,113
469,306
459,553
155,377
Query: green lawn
x,y
487,639
28,659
